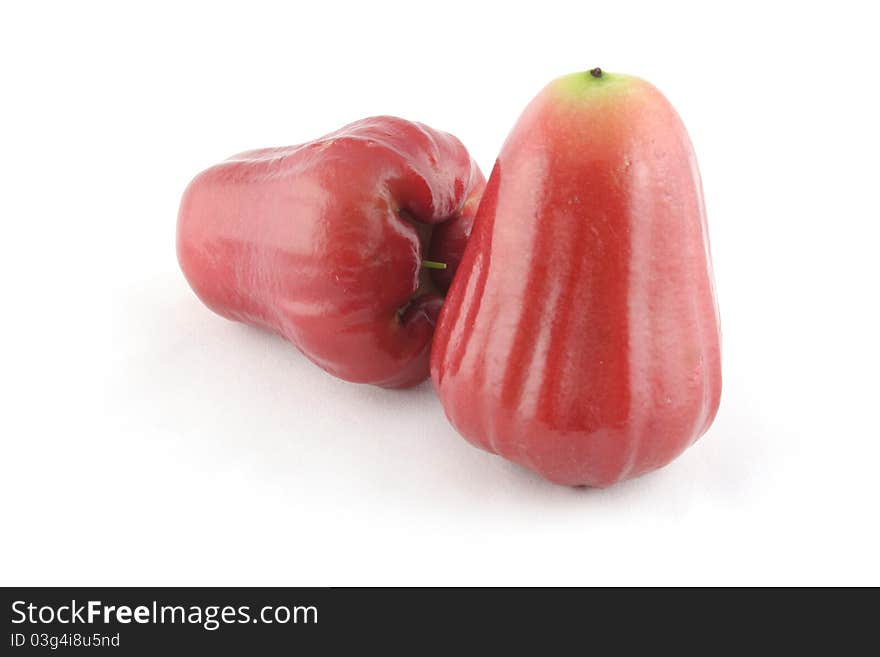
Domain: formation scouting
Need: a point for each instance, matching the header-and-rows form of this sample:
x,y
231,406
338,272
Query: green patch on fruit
x,y
593,84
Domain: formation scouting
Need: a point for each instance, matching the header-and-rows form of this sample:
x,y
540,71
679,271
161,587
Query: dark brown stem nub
x,y
596,72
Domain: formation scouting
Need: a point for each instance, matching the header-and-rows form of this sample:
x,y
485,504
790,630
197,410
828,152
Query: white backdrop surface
x,y
147,441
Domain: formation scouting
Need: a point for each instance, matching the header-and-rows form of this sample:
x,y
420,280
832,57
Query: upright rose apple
x,y
580,337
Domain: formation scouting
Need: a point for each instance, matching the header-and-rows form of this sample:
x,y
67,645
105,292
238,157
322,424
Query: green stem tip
x,y
433,264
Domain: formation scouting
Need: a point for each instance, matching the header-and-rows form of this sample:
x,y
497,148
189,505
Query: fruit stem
x,y
596,72
433,264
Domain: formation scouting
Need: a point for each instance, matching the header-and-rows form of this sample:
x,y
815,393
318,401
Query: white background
x,y
148,441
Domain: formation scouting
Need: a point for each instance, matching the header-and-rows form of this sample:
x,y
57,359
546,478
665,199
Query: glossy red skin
x,y
580,337
320,243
